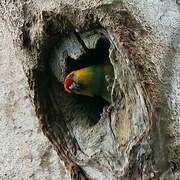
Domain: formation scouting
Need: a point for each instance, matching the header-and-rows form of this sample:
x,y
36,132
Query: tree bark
x,y
49,134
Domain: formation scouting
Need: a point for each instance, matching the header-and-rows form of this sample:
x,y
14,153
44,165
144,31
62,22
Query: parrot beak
x,y
74,86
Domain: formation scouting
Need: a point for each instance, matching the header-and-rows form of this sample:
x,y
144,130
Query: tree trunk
x,y
47,133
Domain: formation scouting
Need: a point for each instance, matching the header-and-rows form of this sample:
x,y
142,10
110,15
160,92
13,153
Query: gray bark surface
x,y
48,134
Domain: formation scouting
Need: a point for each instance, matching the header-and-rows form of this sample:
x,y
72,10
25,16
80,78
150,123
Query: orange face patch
x,y
67,83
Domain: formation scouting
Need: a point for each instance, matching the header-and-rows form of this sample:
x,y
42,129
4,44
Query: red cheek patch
x,y
67,83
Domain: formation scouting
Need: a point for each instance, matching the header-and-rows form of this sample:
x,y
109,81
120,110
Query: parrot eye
x,y
71,76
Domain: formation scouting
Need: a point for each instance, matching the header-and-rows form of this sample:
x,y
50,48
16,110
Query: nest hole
x,y
70,122
60,60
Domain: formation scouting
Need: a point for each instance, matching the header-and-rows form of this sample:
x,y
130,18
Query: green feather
x,y
92,81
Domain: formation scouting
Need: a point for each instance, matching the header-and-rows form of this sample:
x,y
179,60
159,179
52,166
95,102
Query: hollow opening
x,y
71,122
73,52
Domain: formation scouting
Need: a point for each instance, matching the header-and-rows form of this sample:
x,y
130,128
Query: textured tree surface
x,y
49,134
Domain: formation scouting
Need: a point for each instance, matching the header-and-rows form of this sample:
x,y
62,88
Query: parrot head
x,y
70,85
73,85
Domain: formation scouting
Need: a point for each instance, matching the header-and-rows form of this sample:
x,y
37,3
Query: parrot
x,y
89,81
